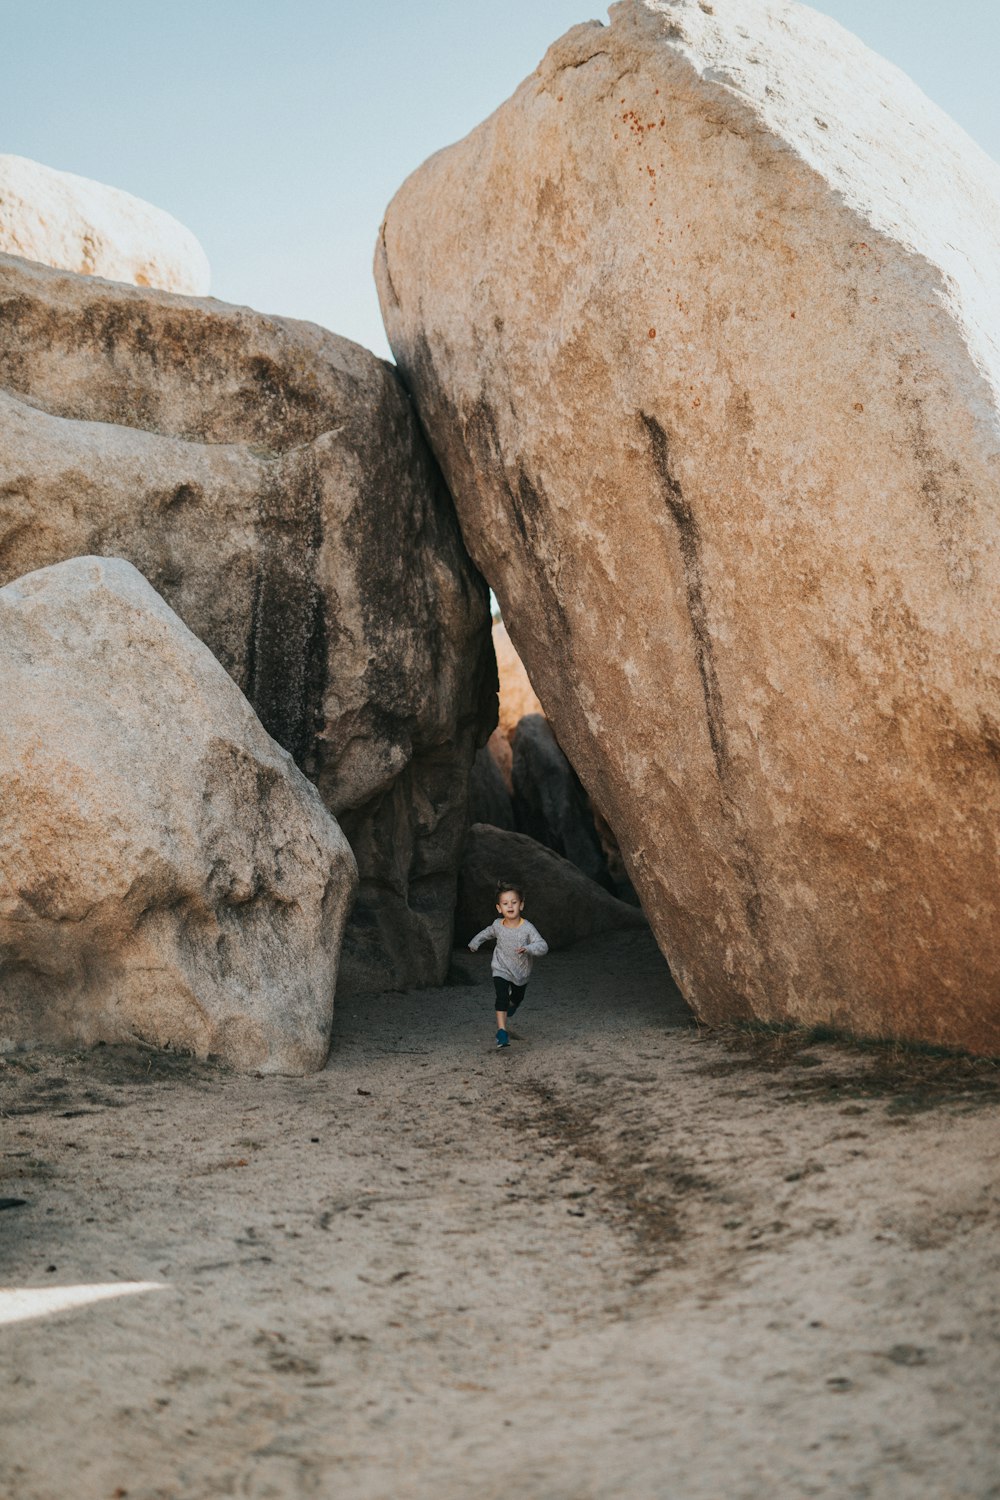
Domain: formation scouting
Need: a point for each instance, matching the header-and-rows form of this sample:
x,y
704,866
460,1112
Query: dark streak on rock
x,y
990,736
185,494
689,541
942,492
399,915
286,646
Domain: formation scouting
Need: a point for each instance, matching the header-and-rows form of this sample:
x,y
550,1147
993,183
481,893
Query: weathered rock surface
x,y
271,482
166,873
564,904
489,799
703,326
556,810
550,805
621,885
499,747
77,225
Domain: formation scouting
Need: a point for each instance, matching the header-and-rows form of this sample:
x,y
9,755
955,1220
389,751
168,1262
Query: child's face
x,y
510,906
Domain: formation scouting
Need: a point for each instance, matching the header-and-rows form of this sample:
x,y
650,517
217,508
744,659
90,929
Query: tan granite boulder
x,y
271,482
166,873
74,224
565,905
703,327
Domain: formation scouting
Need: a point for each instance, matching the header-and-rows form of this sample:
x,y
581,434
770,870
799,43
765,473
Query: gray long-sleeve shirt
x,y
507,962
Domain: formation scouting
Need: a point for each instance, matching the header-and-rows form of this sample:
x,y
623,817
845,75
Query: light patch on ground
x,y
621,1258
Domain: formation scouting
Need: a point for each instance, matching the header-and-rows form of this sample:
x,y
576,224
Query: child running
x,y
517,943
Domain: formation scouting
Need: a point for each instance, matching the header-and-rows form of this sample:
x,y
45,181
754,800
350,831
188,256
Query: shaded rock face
x,y
550,804
271,482
166,873
489,799
499,747
548,801
564,904
77,225
702,326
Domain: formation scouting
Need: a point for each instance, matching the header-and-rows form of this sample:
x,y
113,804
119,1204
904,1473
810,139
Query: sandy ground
x,y
624,1258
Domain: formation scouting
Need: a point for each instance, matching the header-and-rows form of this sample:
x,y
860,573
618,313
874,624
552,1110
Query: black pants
x,y
509,995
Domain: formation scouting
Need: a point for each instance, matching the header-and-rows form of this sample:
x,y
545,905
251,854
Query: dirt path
x,y
622,1259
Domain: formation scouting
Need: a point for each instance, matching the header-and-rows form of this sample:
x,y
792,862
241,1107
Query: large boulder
x,y
77,225
703,327
271,482
166,873
564,904
550,804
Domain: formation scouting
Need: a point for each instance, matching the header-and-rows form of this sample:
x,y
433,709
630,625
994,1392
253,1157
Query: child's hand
x,y
520,950
471,949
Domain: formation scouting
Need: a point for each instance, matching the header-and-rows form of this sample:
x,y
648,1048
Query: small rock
x,y
906,1354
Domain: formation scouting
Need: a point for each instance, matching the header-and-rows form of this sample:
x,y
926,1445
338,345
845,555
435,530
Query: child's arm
x,y
536,944
482,937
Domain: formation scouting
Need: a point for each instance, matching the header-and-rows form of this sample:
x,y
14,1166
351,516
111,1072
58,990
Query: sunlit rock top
x,y
74,224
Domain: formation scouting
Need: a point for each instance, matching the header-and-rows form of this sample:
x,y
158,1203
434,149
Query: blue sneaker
x,y
503,1040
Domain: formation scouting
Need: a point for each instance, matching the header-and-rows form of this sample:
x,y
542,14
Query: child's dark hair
x,y
509,885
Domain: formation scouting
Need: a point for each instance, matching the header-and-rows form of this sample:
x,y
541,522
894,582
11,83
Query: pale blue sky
x,y
277,130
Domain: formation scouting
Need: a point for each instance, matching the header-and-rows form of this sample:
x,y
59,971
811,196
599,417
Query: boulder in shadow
x,y
550,804
563,903
489,799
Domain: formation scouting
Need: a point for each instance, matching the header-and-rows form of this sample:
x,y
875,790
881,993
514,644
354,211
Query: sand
x,y
624,1258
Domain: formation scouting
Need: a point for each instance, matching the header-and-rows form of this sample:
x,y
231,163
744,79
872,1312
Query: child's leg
x,y
502,988
516,996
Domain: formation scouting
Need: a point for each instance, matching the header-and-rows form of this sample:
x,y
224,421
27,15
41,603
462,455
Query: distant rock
x,y
271,482
166,874
500,748
489,799
562,902
549,802
77,225
704,329
517,696
550,805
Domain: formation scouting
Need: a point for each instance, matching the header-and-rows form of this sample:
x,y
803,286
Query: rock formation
x,y
550,805
564,904
166,873
548,802
271,482
500,748
489,799
703,327
77,225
